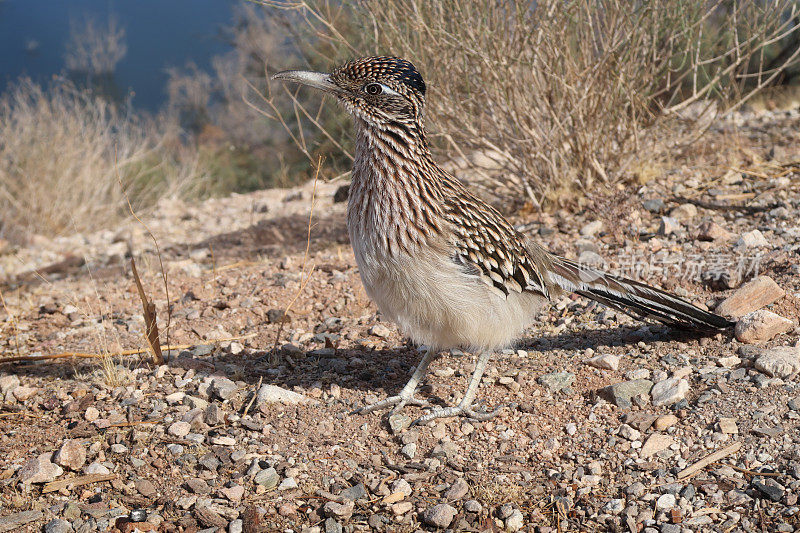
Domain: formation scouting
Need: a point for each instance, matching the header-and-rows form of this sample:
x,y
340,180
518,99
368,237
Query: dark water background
x,y
158,33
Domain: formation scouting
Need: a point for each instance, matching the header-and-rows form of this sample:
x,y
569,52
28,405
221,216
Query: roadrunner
x,y
438,261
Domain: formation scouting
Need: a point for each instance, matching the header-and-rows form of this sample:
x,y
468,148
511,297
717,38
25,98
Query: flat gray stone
x,y
620,394
268,478
15,521
557,381
669,391
274,394
782,362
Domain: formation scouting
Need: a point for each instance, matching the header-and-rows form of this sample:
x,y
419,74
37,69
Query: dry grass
x,y
557,97
57,161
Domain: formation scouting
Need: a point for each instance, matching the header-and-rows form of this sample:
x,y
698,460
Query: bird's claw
x,y
458,410
398,402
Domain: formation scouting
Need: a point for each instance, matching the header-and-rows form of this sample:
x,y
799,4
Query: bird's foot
x,y
399,401
459,410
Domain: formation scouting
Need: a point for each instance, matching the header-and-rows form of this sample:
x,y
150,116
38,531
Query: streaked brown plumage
x,y
437,260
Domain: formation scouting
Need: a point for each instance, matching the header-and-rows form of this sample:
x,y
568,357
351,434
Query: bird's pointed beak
x,y
318,80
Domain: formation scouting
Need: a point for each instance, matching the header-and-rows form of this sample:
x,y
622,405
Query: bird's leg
x,y
464,407
406,396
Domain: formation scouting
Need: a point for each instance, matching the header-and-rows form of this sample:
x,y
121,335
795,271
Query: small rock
x,y
711,231
198,486
274,394
332,526
457,490
214,415
590,229
728,426
401,508
615,506
223,441
729,362
379,330
57,525
761,325
96,468
629,433
664,422
91,414
409,451
354,493
684,212
223,388
145,487
668,226
669,391
234,493
666,502
505,511
339,510
770,432
636,489
175,398
751,296
179,429
472,506
40,470
752,239
654,205
620,394
654,444
288,483
557,381
794,404
14,522
71,454
23,393
782,362
515,522
398,422
439,515
267,478
604,361
774,491
8,383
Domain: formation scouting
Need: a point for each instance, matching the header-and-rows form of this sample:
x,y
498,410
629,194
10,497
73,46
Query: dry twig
x,y
150,319
691,470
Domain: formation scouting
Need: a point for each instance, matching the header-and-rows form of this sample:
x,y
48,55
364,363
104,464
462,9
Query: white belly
x,y
434,302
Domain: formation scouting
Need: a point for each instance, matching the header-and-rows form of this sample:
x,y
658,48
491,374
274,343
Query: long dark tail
x,y
633,297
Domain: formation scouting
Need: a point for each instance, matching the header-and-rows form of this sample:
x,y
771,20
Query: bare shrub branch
x,y
95,49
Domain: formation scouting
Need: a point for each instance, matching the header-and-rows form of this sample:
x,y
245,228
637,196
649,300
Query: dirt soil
x,y
200,444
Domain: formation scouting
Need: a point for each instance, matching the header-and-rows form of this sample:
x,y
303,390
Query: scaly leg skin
x,y
464,407
406,396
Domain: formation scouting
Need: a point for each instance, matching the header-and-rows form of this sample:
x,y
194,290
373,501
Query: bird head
x,y
377,90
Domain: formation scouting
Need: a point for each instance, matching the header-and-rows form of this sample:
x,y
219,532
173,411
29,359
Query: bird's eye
x,y
373,88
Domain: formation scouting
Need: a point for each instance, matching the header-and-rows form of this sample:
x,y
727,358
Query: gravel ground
x,y
607,424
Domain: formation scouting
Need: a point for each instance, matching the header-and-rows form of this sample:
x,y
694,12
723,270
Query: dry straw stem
x,y
149,308
560,97
150,318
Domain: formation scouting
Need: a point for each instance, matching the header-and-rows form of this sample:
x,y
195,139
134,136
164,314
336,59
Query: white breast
x,y
434,302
